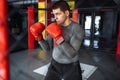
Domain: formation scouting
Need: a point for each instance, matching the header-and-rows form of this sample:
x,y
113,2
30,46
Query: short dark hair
x,y
63,5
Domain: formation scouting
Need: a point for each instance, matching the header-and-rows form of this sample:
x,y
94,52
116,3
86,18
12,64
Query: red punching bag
x,y
30,22
118,43
75,16
4,72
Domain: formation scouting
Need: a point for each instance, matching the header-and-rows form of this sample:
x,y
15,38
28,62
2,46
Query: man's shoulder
x,y
76,25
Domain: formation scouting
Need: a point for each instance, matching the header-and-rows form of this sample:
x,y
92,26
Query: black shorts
x,y
57,71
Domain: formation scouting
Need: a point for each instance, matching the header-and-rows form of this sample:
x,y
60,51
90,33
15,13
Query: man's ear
x,y
67,12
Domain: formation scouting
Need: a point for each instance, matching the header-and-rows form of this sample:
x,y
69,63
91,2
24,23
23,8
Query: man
x,y
66,37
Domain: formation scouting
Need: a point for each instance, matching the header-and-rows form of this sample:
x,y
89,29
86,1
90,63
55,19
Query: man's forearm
x,y
68,50
44,45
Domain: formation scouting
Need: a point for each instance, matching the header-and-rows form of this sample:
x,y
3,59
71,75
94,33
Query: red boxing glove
x,y
55,32
36,30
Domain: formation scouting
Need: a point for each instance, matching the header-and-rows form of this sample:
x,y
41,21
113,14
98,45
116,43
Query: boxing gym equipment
x,y
75,15
4,63
55,31
118,43
37,29
30,22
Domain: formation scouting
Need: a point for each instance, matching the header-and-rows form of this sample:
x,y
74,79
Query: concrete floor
x,y
23,63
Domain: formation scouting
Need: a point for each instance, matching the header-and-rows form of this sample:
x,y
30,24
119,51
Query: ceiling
x,y
78,3
96,3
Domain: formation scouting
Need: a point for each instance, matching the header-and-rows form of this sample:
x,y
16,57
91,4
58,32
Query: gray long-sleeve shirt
x,y
67,52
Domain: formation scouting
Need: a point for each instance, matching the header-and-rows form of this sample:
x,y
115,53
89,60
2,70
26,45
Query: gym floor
x,y
23,64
